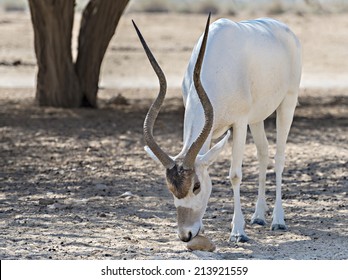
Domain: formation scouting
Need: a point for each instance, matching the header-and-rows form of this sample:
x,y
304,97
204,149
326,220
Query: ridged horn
x,y
152,114
191,155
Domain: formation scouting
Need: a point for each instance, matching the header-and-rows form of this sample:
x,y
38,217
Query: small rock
x,y
78,219
57,206
201,243
127,195
101,187
46,201
119,100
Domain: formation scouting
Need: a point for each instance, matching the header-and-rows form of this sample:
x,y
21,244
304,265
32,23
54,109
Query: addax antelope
x,y
239,74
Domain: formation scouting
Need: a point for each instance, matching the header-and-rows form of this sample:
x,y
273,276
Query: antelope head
x,y
186,174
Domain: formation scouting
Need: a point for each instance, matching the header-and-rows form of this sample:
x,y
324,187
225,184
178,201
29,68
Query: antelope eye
x,y
197,188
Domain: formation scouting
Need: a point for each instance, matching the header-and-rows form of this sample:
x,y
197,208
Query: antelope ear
x,y
151,154
209,157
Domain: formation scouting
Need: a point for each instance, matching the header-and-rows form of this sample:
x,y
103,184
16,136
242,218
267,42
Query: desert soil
x,y
76,183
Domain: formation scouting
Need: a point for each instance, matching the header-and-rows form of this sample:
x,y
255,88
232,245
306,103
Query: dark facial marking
x,y
179,180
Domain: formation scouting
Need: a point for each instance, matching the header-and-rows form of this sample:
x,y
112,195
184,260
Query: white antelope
x,y
250,69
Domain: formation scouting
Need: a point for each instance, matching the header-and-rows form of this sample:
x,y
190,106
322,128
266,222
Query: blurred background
x,y
321,26
216,6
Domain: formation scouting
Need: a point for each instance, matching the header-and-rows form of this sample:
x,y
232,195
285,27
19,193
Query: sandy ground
x,y
76,184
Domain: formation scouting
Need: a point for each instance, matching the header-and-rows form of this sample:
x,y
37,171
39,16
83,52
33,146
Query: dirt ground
x,y
76,183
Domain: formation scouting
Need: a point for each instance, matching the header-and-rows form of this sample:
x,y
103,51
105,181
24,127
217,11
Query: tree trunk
x,y
57,82
60,82
98,25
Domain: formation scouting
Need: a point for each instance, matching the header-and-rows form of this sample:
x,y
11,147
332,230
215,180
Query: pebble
x,y
46,201
78,219
127,195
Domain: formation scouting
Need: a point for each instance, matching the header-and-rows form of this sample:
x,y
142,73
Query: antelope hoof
x,y
239,238
257,221
279,227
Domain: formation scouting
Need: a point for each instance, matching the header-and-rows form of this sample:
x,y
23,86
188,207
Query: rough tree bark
x,y
61,82
57,83
98,25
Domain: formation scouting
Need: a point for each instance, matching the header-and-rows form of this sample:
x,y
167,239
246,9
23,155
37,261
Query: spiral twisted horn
x,y
152,114
191,155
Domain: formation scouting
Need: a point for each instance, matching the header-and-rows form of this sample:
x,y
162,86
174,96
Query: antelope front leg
x,y
238,223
